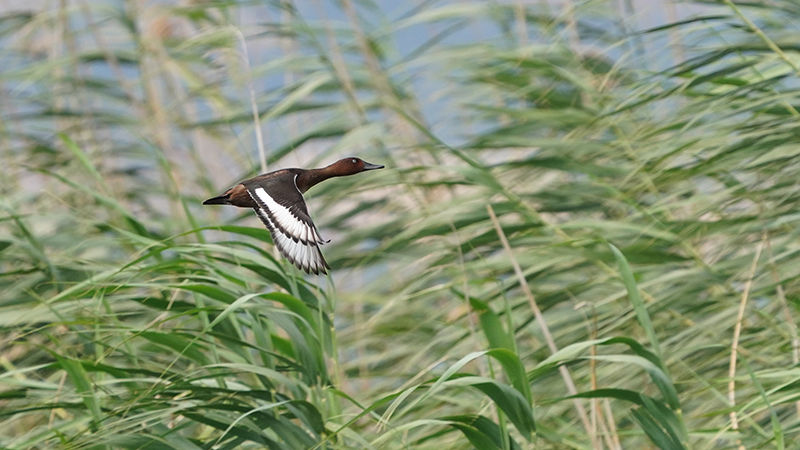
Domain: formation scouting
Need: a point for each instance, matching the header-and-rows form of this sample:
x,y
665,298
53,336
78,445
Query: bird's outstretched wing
x,y
285,215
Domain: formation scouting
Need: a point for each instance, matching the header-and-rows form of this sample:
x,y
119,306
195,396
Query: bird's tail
x,y
223,199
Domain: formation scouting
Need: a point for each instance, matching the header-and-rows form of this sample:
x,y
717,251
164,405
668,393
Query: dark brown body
x,y
284,179
277,199
239,196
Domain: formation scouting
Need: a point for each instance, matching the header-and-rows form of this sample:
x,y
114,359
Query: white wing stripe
x,y
298,253
296,240
283,218
287,222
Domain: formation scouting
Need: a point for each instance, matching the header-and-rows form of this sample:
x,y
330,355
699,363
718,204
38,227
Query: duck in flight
x,y
277,199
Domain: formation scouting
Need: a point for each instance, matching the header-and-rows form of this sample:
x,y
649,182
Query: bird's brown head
x,y
350,166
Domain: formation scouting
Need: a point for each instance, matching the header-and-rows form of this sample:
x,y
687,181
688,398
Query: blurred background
x,y
585,236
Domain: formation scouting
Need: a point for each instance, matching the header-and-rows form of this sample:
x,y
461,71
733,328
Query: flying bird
x,y
277,199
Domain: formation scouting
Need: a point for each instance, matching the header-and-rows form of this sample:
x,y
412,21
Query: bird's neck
x,y
309,178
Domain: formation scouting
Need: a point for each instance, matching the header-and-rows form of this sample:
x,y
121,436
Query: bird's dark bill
x,y
370,166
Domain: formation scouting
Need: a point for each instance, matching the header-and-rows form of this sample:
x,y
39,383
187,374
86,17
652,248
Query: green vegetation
x,y
586,237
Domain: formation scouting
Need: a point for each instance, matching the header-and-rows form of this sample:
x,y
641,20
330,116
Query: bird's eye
x,y
355,161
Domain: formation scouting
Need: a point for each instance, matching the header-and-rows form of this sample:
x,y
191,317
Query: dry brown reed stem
x,y
57,397
473,321
597,416
737,330
606,432
612,427
551,343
